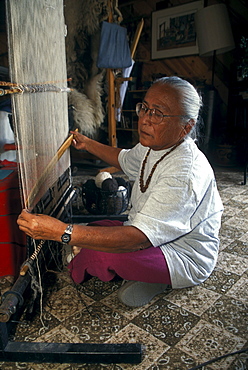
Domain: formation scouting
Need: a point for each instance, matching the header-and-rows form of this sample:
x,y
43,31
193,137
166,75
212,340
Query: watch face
x,y
66,238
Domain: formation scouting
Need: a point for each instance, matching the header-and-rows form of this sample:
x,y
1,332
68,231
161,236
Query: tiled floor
x,y
180,329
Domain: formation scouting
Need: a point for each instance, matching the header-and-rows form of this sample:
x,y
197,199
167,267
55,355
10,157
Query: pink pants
x,y
146,265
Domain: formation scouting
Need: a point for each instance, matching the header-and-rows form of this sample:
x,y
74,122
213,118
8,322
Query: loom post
x,y
13,298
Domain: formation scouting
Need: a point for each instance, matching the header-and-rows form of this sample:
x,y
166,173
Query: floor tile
x,y
220,281
153,347
195,300
96,324
232,263
230,315
237,222
166,321
206,341
240,289
67,301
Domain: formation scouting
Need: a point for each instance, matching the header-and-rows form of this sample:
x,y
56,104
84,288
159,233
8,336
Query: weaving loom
x,y
36,37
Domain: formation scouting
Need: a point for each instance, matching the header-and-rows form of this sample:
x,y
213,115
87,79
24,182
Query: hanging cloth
x,y
114,51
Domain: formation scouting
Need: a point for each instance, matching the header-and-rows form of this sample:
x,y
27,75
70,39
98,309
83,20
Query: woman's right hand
x,y
79,141
106,153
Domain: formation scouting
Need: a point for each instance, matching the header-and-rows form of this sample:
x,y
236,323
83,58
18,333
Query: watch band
x,y
69,229
66,237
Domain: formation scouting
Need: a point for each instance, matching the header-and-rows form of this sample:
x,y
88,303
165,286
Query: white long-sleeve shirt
x,y
180,212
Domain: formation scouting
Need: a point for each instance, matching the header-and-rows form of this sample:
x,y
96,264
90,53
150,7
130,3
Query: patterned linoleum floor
x,y
180,329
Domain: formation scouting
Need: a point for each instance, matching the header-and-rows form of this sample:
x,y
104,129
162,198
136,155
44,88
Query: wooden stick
x,y
25,267
137,37
48,169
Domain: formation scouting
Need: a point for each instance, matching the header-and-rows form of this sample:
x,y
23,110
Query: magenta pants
x,y
146,265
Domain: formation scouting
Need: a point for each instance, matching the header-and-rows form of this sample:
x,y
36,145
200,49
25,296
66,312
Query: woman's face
x,y
170,131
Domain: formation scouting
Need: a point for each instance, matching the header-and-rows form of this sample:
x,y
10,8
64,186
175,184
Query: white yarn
x,y
122,192
36,114
101,177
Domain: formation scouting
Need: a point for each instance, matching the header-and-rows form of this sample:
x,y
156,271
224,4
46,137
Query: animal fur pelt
x,y
83,19
87,108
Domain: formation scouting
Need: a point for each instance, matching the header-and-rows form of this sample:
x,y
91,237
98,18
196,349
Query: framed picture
x,y
173,31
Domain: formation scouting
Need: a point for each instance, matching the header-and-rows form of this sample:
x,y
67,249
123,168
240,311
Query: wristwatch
x,y
66,237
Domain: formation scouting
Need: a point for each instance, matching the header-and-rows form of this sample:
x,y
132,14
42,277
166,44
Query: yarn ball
x,y
110,185
100,177
105,194
121,181
122,192
89,191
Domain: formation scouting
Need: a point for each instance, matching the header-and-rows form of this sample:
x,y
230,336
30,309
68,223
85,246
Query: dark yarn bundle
x,y
110,196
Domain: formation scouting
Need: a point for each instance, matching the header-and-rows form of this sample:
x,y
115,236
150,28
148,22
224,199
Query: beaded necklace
x,y
143,187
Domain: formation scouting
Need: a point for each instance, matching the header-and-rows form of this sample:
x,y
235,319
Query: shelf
x,y
128,133
126,129
137,91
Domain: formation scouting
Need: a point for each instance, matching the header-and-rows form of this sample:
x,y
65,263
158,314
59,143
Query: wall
x,y
191,67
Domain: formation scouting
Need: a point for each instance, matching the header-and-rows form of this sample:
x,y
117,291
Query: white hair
x,y
191,101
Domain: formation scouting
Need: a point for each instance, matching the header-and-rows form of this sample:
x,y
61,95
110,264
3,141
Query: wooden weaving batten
x,y
48,169
45,173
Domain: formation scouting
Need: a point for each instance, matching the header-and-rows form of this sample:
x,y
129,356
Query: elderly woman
x,y
171,236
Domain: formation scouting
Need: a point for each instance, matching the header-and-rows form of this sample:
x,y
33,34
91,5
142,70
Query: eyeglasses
x,y
156,115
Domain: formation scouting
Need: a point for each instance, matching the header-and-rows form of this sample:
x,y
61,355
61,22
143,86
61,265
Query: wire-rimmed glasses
x,y
155,114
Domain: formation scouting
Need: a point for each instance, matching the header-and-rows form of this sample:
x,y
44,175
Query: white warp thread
x,y
37,56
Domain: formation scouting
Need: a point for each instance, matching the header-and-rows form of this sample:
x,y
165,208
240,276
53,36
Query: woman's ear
x,y
189,125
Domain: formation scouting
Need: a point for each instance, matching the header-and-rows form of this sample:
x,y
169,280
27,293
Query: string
x,y
40,288
30,88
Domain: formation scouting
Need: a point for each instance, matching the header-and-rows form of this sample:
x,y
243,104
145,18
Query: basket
x,y
99,202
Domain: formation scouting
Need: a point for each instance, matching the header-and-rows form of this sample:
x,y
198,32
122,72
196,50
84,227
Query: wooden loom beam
x,y
67,352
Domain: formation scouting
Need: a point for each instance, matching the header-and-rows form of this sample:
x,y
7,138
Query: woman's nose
x,y
146,119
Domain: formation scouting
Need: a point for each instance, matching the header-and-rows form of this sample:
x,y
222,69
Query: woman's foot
x,y
137,293
74,251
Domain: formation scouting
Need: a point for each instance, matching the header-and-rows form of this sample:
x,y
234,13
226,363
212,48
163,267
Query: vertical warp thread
x,y
36,44
37,54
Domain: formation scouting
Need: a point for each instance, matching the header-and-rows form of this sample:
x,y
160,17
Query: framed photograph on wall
x,y
173,31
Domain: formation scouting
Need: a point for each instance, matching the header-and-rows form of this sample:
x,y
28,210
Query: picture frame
x,y
173,31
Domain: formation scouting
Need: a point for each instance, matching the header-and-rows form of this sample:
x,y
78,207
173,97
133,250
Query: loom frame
x,y
67,352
